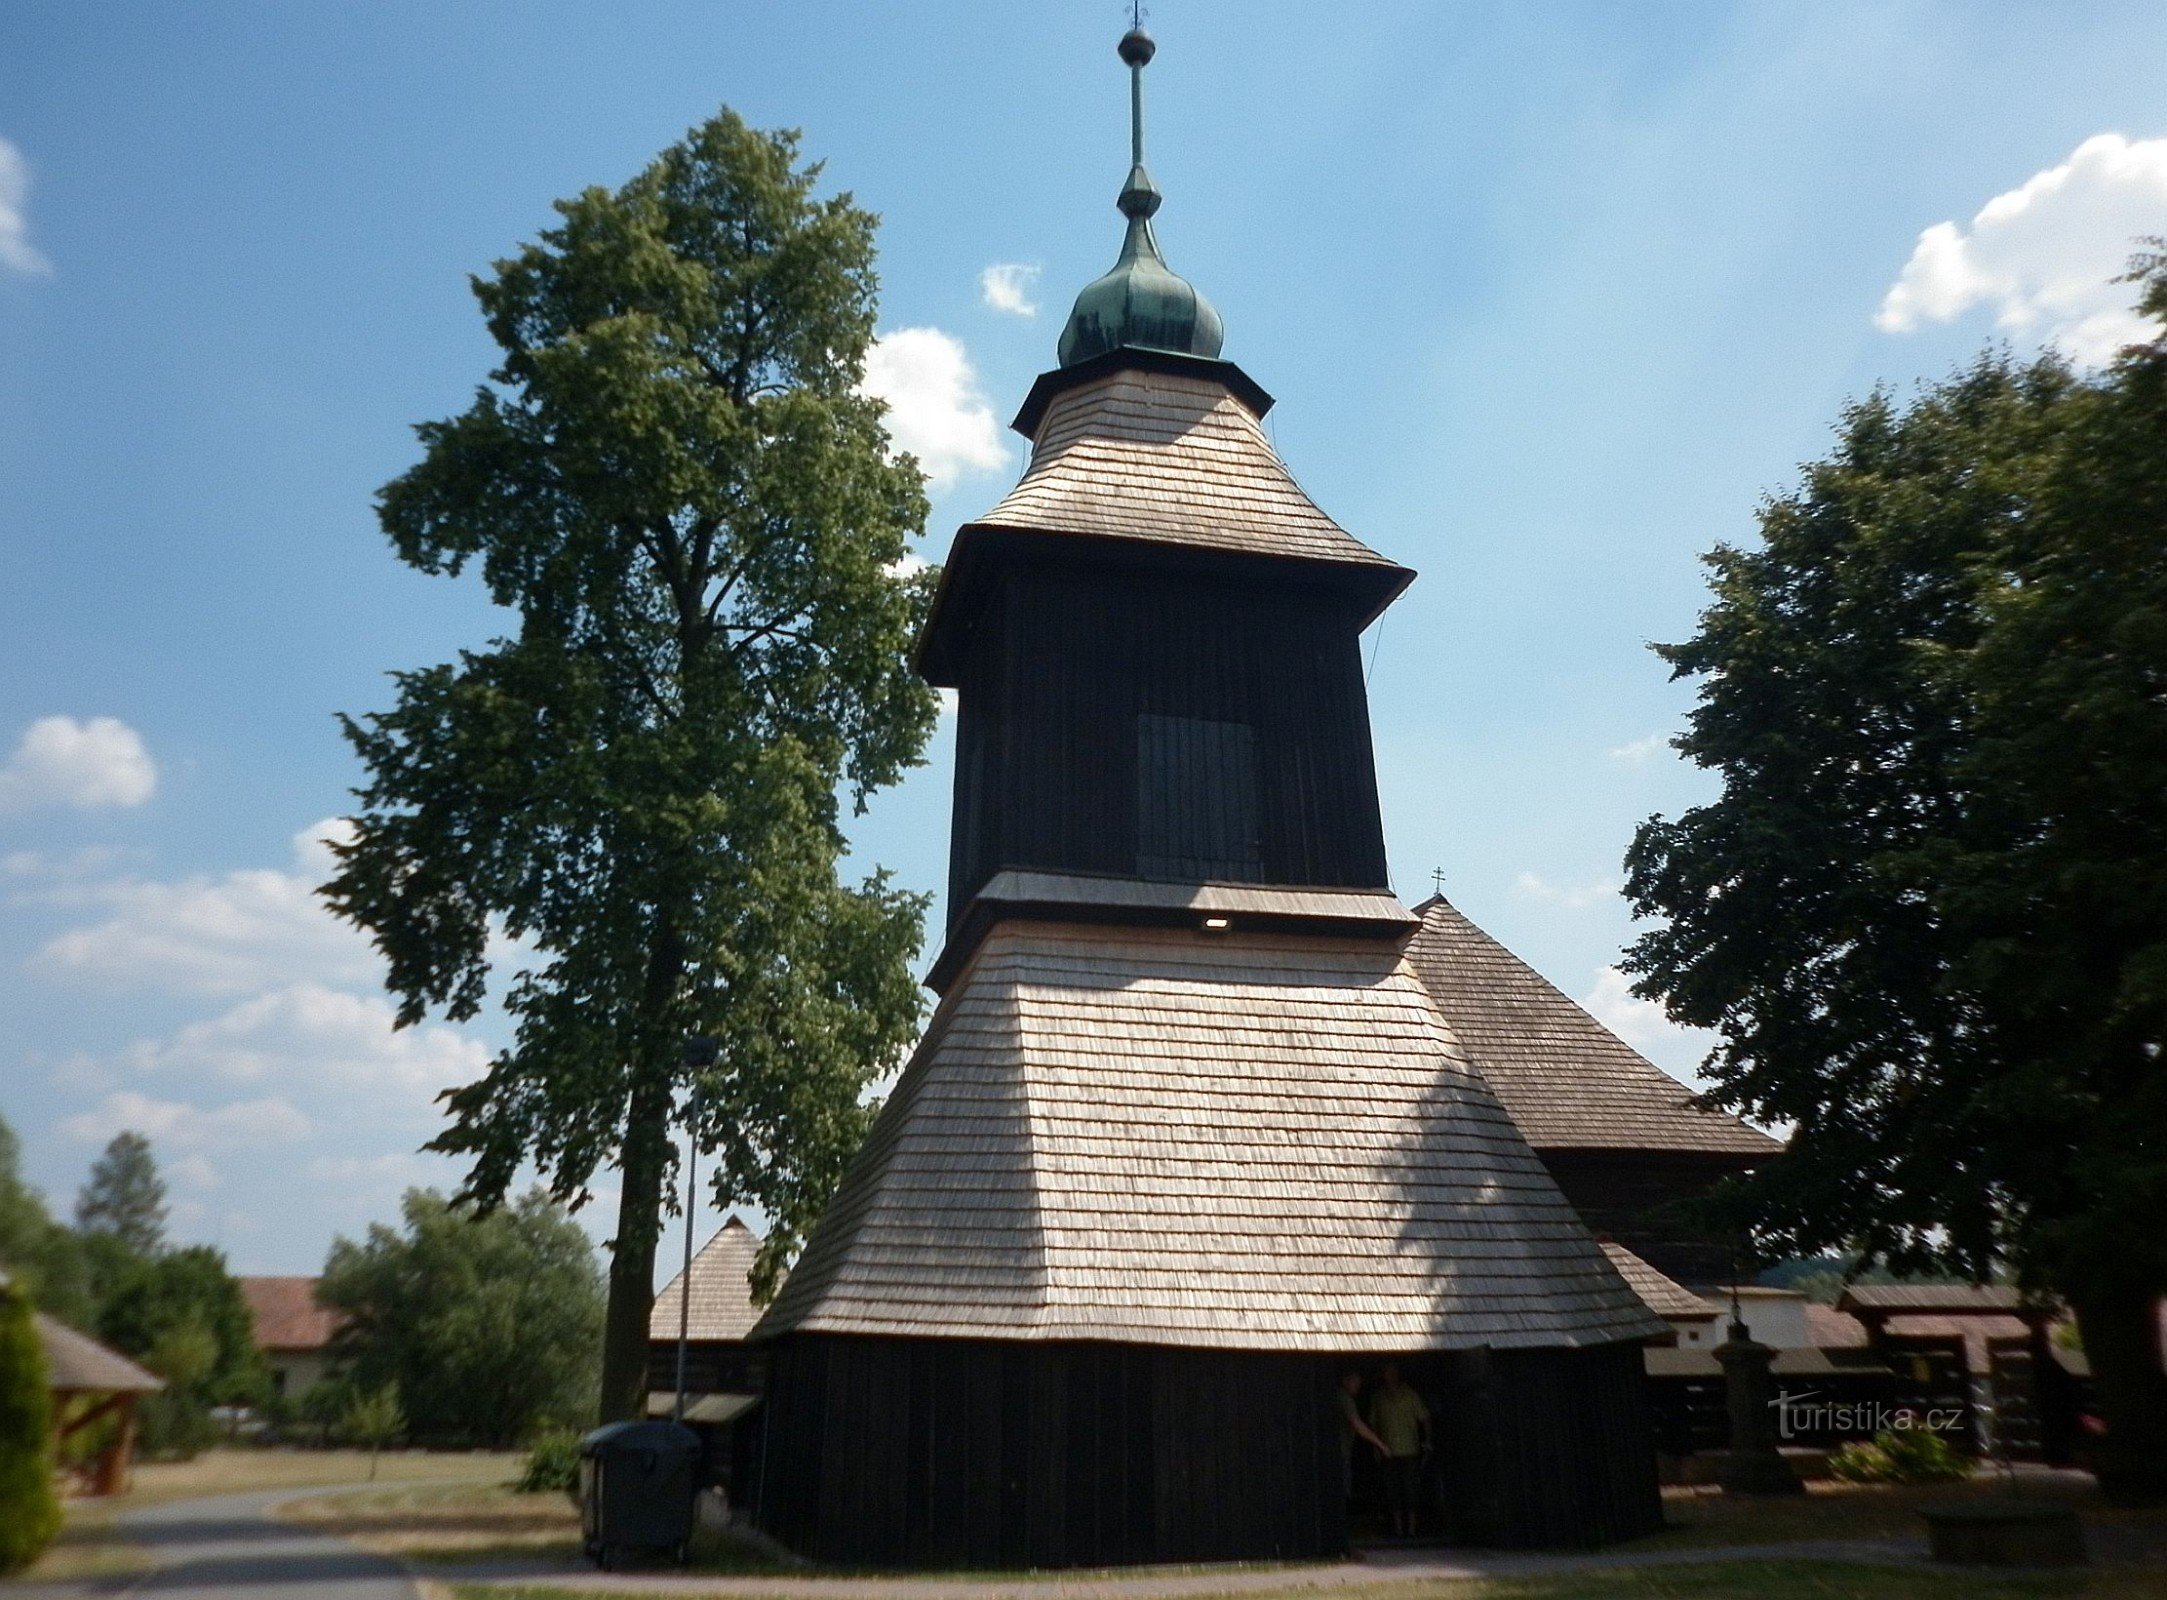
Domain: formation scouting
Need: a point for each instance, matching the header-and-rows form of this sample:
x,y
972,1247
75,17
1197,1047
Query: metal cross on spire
x,y
1137,49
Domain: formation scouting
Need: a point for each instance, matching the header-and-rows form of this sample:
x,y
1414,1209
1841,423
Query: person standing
x,y
1402,1427
1352,1426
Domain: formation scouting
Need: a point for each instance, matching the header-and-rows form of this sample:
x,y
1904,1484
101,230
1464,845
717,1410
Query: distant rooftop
x,y
722,1305
286,1314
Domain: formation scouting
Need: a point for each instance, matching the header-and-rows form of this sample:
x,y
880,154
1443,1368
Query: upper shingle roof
x,y
286,1314
1569,1082
1168,458
1163,1136
722,1305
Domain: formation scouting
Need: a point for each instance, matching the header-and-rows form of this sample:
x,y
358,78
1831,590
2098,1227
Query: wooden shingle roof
x,y
1168,457
1170,1137
1658,1291
1568,1081
722,1305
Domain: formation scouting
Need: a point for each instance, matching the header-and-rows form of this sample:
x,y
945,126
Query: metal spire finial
x,y
1139,196
1141,304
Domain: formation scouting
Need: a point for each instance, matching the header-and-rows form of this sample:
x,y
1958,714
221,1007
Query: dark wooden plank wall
x,y
712,1366
1068,657
951,1453
1639,1198
1543,1449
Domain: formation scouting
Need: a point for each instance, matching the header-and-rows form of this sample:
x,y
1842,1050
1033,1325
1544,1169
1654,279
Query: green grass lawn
x,y
437,1522
1725,1580
1831,1510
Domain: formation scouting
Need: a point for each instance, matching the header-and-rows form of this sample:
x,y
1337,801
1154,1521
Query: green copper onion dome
x,y
1141,304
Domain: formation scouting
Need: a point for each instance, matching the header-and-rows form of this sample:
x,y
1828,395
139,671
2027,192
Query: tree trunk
x,y
632,1255
2121,1330
643,1157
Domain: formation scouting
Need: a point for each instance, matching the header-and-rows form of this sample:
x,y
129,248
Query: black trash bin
x,y
636,1483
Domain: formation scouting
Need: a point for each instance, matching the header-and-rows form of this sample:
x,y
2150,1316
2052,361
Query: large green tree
x,y
675,484
43,1256
482,1326
1925,913
181,1314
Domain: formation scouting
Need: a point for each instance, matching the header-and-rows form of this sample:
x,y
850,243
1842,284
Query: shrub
x,y
552,1463
29,1509
176,1426
1899,1455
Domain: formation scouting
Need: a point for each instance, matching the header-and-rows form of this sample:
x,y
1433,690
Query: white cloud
x,y
2045,254
1006,286
1645,1026
403,1168
62,762
1536,887
194,1171
240,932
935,409
16,251
308,1036
1643,749
242,1124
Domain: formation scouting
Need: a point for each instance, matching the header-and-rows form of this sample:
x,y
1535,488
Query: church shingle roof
x,y
1568,1081
1163,1136
1658,1291
1168,457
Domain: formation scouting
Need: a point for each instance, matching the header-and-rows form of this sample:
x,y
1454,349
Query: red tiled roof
x,y
286,1313
1830,1329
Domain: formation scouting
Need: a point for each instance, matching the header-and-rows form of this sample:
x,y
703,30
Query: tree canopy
x,y
480,1327
43,1256
124,1198
1928,913
674,482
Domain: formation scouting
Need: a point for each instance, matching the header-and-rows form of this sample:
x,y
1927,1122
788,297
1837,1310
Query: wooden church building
x,y
1189,1136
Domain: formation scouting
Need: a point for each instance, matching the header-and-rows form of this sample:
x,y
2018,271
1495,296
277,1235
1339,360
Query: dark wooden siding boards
x,y
1641,1198
1074,671
980,1453
987,1453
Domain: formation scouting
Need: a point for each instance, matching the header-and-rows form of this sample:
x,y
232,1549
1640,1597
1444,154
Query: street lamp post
x,y
700,1054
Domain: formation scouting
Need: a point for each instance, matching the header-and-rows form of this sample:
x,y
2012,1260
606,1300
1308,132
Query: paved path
x,y
229,1546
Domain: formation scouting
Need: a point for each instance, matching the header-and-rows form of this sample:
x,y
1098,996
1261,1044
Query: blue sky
x,y
1550,297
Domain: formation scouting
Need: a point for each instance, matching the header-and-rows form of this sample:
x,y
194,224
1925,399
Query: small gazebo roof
x,y
75,1363
722,1305
1568,1081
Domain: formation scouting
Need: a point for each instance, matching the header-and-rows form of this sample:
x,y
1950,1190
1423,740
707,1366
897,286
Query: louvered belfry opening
x,y
1186,1139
